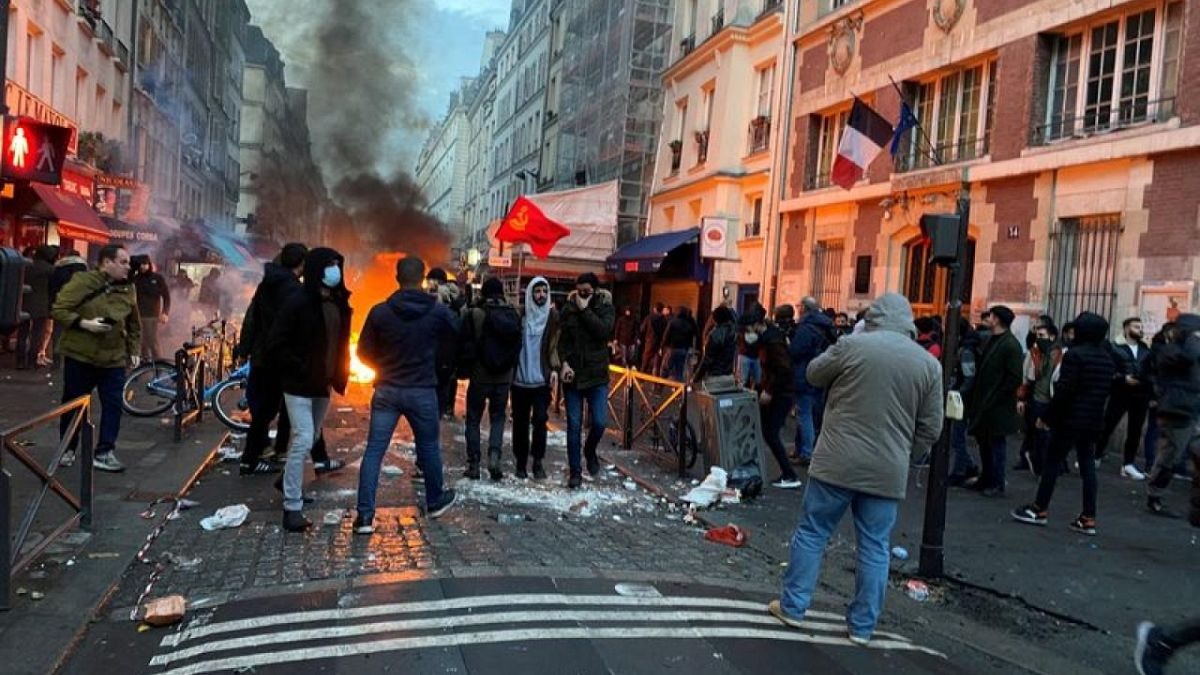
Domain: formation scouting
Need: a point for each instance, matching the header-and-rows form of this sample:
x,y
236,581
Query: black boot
x,y
294,521
473,471
593,462
494,466
575,481
538,472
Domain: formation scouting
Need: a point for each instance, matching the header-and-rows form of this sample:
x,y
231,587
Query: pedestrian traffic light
x,y
12,288
33,150
942,232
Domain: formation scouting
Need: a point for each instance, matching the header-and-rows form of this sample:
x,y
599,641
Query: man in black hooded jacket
x,y
1177,384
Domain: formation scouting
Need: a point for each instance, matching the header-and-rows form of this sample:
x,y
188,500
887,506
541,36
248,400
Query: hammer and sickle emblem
x,y
520,219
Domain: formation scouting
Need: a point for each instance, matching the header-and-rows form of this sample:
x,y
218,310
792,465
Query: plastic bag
x,y
708,492
225,517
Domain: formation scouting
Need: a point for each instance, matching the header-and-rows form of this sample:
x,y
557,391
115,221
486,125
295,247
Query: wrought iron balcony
x,y
760,134
1104,119
687,45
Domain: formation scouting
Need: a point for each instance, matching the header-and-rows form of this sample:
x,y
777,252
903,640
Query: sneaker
x,y
521,473
494,467
294,521
1131,472
593,465
261,469
776,610
364,525
1156,506
994,492
1029,514
574,481
443,505
68,459
1084,525
108,462
305,497
1151,654
328,466
472,472
786,483
860,640
538,472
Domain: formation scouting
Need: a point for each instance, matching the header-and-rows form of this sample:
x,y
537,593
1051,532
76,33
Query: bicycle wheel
x,y
230,405
149,389
690,446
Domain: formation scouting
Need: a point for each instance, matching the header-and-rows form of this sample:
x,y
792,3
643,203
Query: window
x,y
1083,265
927,286
827,273
1113,74
956,113
766,81
754,225
828,133
56,78
33,61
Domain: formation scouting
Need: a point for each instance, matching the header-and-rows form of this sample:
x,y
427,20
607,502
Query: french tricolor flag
x,y
867,133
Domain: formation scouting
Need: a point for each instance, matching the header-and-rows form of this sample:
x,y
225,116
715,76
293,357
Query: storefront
x,y
662,268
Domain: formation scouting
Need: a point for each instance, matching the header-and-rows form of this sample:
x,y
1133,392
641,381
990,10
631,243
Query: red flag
x,y
526,224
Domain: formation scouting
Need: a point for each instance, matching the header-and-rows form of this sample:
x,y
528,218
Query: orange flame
x,y
359,371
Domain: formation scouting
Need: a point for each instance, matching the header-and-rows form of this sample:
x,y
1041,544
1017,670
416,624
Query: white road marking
x,y
342,614
264,641
525,635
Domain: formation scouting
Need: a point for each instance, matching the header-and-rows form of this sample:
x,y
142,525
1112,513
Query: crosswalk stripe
x,y
524,635
262,641
342,614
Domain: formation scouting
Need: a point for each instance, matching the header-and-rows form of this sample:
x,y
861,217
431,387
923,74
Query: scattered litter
x,y
147,514
229,453
37,595
180,562
579,506
730,535
392,470
637,590
71,562
333,517
143,627
165,611
709,492
24,444
611,467
103,555
630,485
616,518
899,553
226,517
185,504
510,518
917,590
593,500
731,496
22,591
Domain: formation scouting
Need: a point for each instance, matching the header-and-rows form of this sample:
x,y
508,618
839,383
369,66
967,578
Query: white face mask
x,y
751,338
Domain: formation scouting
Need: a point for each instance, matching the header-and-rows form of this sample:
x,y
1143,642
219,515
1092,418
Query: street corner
x,y
501,625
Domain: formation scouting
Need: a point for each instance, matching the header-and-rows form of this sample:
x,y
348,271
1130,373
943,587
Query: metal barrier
x,y
11,559
635,408
190,367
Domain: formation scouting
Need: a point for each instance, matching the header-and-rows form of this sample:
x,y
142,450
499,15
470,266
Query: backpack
x,y
500,337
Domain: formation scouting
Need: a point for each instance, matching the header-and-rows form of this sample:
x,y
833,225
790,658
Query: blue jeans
x,y
419,405
963,463
676,364
749,369
993,452
80,379
495,398
807,403
597,402
824,506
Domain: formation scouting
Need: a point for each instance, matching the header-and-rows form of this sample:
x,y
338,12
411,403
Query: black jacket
x,y
278,283
681,333
812,336
653,328
1177,380
297,344
1084,379
1129,365
63,271
402,336
720,351
153,298
778,377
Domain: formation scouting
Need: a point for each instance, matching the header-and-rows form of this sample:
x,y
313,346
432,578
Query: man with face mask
x,y
587,322
1034,395
1130,396
777,387
535,377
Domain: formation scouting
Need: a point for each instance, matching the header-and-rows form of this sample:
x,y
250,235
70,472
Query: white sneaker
x,y
68,459
786,484
108,462
1131,472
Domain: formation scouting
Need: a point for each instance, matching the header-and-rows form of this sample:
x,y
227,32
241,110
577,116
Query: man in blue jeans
x,y
586,326
884,403
400,341
814,334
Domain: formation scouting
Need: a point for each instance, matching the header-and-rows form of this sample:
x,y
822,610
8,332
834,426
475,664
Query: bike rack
x,y
189,393
629,381
11,560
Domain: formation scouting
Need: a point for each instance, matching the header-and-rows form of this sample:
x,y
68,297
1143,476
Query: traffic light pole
x,y
5,8
933,534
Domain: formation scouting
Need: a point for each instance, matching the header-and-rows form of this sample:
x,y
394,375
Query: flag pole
x,y
931,152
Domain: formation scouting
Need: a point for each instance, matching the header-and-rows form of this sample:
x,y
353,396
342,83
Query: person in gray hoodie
x,y
884,403
536,375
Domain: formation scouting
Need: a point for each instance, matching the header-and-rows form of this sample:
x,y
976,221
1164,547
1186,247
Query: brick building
x,y
1076,125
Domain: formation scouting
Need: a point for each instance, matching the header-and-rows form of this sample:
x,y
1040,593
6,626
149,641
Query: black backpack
x,y
500,339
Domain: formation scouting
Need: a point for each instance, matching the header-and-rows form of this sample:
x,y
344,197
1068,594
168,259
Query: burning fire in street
x,y
360,372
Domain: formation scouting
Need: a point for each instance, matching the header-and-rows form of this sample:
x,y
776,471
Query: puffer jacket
x,y
1084,379
584,336
1177,380
92,295
37,277
813,336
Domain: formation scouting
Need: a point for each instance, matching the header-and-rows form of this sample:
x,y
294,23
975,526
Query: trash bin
x,y
730,433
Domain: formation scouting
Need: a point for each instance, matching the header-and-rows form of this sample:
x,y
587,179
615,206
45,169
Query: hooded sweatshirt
x,y
884,403
1085,378
1177,380
402,337
533,368
309,343
277,284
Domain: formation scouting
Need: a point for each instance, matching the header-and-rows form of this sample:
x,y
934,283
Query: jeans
x,y
495,397
79,379
807,403
265,396
650,360
824,506
1121,404
774,415
419,405
1039,444
150,348
307,416
1175,443
447,389
963,463
1061,444
676,364
597,403
749,370
32,336
993,453
527,401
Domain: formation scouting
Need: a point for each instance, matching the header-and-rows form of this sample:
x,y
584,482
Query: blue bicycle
x,y
150,390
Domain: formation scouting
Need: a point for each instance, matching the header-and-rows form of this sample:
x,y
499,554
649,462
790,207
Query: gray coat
x,y
884,403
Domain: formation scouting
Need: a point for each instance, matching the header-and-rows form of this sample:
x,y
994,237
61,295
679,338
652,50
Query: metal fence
x,y
1083,266
827,273
645,406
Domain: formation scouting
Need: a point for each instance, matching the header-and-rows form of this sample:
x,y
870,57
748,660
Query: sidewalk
x,y
1012,586
77,572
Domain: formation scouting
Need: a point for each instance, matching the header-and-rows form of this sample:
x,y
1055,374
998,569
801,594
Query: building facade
x,y
156,119
1075,128
441,171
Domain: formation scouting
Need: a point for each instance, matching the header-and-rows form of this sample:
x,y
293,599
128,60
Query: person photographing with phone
x,y
587,324
101,336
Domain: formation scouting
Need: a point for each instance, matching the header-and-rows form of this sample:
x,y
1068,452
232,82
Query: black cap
x,y
588,278
437,274
493,288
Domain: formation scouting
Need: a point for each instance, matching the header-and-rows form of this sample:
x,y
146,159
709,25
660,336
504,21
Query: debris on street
x,y
917,590
165,611
709,492
225,517
730,535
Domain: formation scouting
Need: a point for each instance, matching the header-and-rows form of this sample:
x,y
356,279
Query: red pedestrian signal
x,y
34,151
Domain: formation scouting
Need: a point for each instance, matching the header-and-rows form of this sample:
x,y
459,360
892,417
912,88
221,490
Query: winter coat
x,y
92,295
652,330
298,342
720,352
278,283
813,336
1084,378
37,300
626,330
778,378
583,339
681,333
1177,381
63,271
883,403
992,407
451,297
548,347
153,298
473,319
402,337
1135,366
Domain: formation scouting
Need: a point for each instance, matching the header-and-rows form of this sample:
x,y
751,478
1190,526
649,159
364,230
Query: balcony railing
x,y
948,153
686,45
752,229
701,146
770,6
818,180
549,118
1104,120
122,53
718,21
104,36
760,134
676,156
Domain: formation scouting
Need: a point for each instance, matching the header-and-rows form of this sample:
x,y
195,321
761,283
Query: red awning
x,y
76,220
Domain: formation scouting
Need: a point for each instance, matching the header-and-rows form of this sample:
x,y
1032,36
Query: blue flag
x,y
907,121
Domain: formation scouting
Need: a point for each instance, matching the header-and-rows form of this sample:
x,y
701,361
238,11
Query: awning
x,y
76,220
225,244
647,254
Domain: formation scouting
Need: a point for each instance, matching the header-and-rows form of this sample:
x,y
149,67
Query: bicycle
x,y
151,389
